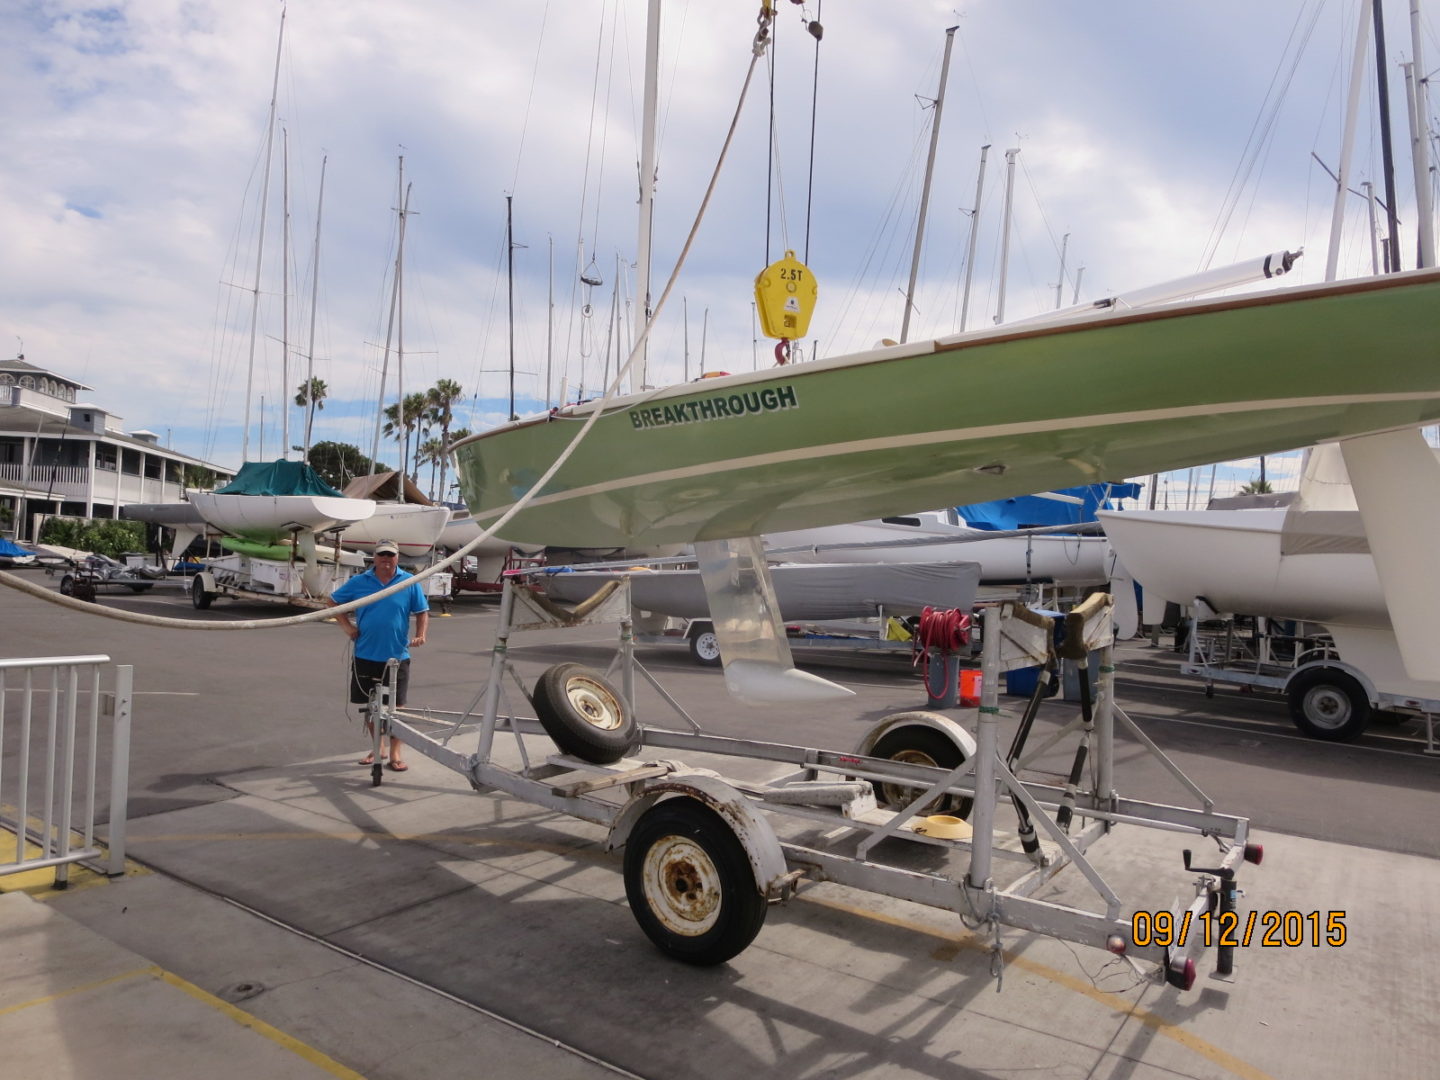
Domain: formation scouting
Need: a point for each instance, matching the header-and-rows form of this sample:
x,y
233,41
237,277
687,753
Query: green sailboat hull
x,y
976,417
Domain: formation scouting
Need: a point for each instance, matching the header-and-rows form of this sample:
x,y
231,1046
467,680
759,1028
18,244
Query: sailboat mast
x,y
925,188
260,246
285,294
1005,231
1060,285
510,291
400,346
550,326
1387,151
389,326
1347,140
647,187
974,230
1420,143
314,302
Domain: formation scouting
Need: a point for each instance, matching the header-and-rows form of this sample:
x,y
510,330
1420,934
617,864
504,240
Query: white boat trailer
x,y
705,854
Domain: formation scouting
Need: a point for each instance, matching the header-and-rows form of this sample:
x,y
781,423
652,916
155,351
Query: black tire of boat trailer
x,y
584,714
705,646
1329,704
67,585
199,597
141,588
690,884
916,745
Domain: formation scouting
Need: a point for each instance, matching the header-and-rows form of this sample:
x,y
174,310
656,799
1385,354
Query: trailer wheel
x,y
705,646
199,597
141,588
690,884
915,745
1328,704
584,714
67,585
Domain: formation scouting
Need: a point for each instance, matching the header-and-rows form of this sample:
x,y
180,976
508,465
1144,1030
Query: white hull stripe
x,y
930,438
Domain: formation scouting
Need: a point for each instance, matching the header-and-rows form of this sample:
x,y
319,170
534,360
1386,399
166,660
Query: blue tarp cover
x,y
277,478
1032,511
12,550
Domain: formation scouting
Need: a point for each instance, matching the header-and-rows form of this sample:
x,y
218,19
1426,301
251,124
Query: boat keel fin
x,y
746,618
1397,488
755,682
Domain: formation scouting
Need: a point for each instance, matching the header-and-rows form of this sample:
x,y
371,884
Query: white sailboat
x,y
934,536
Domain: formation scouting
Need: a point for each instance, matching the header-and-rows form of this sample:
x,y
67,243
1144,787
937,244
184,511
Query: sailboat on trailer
x,y
1092,395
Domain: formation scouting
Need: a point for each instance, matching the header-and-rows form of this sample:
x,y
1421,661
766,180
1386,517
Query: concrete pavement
x,y
419,929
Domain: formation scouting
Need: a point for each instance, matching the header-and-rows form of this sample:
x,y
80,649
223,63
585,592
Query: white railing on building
x,y
51,710
43,475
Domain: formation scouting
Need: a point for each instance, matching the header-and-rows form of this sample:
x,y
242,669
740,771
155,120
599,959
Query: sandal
x,y
368,759
397,766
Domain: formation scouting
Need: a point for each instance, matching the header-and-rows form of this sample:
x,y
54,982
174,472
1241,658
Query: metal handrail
x,y
58,720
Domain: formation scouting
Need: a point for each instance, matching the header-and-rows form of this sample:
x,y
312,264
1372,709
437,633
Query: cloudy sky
x,y
1161,138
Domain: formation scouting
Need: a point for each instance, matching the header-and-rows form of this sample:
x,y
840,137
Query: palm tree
x,y
310,395
455,436
1257,487
431,452
443,396
416,406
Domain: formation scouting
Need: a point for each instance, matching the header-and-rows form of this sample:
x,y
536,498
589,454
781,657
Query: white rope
x,y
16,582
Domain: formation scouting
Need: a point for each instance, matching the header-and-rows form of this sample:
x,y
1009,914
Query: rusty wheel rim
x,y
595,703
682,886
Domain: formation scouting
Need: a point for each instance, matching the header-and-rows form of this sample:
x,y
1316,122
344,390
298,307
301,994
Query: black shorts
x,y
366,674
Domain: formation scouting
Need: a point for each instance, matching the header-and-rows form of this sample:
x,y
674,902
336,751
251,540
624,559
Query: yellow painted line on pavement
x,y
301,1050
81,989
1158,1024
40,882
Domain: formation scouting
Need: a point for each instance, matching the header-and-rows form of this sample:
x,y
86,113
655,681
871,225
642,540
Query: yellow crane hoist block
x,y
785,293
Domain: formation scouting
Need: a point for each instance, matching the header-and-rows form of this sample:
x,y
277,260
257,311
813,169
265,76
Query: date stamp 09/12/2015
x,y
1232,929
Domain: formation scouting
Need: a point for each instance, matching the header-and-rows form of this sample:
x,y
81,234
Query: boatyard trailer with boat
x,y
1329,697
705,854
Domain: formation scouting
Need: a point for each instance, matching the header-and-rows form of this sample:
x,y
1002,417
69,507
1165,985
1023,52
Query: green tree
x,y
339,463
1259,486
431,452
310,395
198,476
414,421
104,536
455,436
443,396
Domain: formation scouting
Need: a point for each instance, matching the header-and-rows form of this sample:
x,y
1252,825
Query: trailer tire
x,y
690,884
705,646
917,745
67,585
141,588
199,597
1329,704
584,714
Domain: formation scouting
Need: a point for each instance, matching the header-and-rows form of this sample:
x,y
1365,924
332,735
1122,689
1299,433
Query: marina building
x,y
62,455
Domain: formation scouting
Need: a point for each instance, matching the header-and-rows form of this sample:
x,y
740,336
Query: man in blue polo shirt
x,y
381,633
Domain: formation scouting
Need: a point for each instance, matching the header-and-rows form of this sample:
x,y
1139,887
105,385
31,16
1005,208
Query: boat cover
x,y
278,478
13,551
805,591
1036,511
389,486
